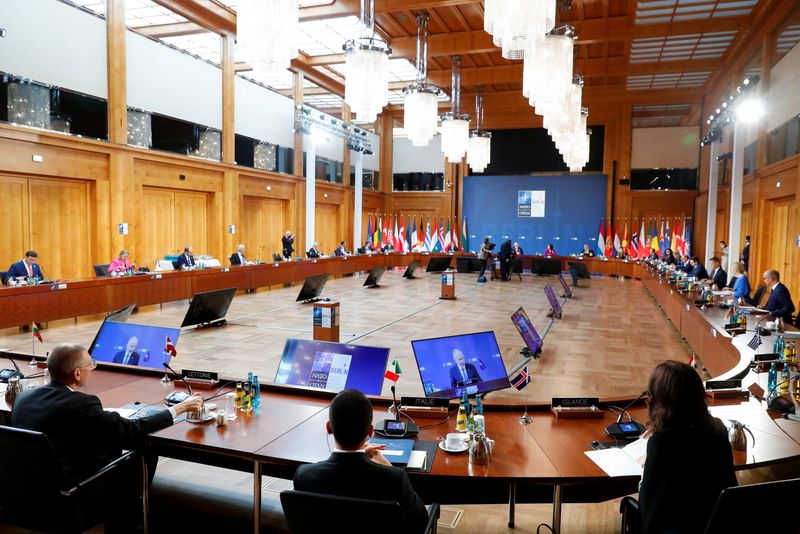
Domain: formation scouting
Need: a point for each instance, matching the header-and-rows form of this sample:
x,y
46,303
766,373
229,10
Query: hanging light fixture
x,y
420,108
366,88
515,24
455,125
479,149
267,34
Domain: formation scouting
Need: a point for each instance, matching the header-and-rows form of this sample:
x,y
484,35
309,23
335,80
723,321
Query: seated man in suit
x,y
129,356
356,469
587,252
685,265
27,267
462,373
314,252
779,303
518,249
718,276
86,437
237,258
341,250
186,260
698,270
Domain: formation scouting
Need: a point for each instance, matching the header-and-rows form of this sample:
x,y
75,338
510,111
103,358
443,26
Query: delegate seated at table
x,y
121,263
186,260
27,267
779,303
237,258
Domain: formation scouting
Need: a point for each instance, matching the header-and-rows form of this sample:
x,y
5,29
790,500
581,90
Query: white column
x,y
311,189
737,183
358,199
713,185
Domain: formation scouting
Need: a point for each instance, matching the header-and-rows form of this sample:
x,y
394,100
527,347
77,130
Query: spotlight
x,y
718,110
749,110
724,105
747,81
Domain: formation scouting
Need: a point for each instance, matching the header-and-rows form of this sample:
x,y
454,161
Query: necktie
x,y
30,269
126,360
464,373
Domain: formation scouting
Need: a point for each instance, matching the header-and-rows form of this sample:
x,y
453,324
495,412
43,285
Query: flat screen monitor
x,y
412,266
375,275
312,287
449,366
438,264
554,304
120,316
332,366
578,269
134,344
526,330
209,307
567,289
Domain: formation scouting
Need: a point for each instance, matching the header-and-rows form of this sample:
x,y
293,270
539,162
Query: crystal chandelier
x,y
267,33
420,108
455,125
366,88
517,24
479,149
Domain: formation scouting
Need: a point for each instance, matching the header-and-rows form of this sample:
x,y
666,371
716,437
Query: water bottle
x,y
256,393
772,378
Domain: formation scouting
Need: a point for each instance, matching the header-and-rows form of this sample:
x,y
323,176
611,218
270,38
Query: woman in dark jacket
x,y
689,459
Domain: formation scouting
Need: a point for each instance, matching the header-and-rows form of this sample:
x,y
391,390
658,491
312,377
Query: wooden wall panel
x,y
17,157
157,227
60,227
327,231
15,237
263,225
191,216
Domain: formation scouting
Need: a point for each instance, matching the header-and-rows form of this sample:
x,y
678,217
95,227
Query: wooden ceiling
x,y
658,57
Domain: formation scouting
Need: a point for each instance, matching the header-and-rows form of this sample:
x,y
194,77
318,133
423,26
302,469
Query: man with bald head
x,y
129,356
462,373
779,303
85,437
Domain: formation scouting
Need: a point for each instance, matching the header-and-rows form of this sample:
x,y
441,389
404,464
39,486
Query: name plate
x,y
425,402
56,287
199,375
766,357
734,383
155,277
226,269
574,402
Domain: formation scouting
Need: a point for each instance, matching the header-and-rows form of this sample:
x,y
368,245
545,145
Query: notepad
x,y
620,462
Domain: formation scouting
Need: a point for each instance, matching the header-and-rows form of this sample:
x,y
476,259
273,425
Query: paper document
x,y
418,460
124,412
619,462
391,453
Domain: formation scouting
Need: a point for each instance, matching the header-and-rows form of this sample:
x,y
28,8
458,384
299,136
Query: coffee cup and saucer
x,y
203,416
454,442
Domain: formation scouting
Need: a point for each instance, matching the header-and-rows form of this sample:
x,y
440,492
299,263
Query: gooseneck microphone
x,y
180,377
630,429
624,411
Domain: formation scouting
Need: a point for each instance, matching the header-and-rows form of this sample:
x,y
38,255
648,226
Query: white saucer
x,y
208,417
464,446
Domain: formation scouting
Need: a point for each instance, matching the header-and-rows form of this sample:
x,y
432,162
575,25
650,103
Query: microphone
x,y
631,429
8,374
625,409
763,332
394,404
180,377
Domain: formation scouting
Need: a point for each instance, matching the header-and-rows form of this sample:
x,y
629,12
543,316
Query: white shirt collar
x,y
349,452
773,286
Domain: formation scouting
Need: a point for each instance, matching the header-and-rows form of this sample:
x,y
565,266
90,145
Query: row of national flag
x,y
675,234
416,235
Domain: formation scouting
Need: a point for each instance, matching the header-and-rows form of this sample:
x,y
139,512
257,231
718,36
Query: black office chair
x,y
738,508
758,295
3,277
35,493
516,267
732,282
101,269
315,512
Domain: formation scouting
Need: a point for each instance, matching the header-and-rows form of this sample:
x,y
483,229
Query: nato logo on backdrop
x,y
530,204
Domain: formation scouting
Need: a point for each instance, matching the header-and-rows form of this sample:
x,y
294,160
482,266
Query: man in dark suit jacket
x,y
356,469
286,241
86,437
505,256
27,267
698,270
745,258
186,260
237,258
718,277
313,252
779,303
462,373
129,356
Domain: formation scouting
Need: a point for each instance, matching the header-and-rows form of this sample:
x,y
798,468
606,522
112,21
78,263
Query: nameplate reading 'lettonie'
x,y
199,375
574,402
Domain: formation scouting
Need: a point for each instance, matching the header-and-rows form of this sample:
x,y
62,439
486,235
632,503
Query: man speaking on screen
x,y
462,373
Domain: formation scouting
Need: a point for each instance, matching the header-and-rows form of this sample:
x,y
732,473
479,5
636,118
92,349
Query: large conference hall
x,y
399,266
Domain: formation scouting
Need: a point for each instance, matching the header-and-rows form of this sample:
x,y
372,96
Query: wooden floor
x,y
610,338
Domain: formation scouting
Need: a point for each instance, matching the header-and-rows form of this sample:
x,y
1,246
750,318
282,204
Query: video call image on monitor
x,y
332,366
134,344
526,330
555,305
449,366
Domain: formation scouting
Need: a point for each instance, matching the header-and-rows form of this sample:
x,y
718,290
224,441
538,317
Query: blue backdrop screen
x,y
500,207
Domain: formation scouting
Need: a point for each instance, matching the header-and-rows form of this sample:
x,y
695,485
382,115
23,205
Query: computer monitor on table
x,y
526,329
412,266
375,275
209,307
438,264
452,365
134,344
555,305
119,316
332,366
312,288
